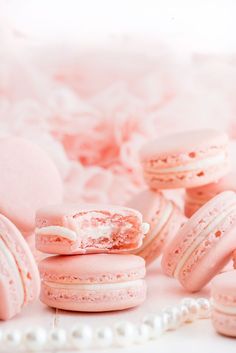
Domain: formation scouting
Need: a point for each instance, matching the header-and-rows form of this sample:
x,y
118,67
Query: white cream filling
x,y
158,227
13,266
204,163
96,286
231,310
57,230
95,232
201,237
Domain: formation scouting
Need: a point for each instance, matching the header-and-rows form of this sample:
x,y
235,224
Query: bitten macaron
x,y
223,298
204,245
20,282
165,219
92,283
184,160
80,229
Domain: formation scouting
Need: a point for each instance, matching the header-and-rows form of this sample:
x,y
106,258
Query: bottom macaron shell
x,y
93,300
9,304
224,324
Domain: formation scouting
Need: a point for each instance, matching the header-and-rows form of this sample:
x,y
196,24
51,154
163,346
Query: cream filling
x,y
94,232
201,237
14,268
231,310
96,286
204,163
158,227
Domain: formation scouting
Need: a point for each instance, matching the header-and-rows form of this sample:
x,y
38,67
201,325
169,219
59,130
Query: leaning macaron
x,y
164,217
29,180
223,298
197,197
184,160
205,243
20,282
79,229
93,283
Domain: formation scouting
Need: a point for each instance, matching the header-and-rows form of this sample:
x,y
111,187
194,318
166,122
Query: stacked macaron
x,y
92,270
196,161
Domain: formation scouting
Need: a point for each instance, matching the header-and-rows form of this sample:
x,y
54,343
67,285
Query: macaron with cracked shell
x,y
114,282
80,229
204,245
186,159
165,219
223,298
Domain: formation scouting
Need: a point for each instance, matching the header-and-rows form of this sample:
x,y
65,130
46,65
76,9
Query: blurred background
x,y
91,81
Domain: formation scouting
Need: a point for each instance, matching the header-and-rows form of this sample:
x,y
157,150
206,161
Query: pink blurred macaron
x,y
204,245
80,229
93,283
223,298
164,217
197,197
28,180
184,160
20,282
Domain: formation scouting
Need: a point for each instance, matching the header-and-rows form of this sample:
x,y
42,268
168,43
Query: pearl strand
x,y
122,333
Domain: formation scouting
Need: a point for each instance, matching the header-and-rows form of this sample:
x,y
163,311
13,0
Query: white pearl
x,y
193,308
171,318
124,333
142,333
81,336
35,338
155,323
57,338
12,338
184,313
103,337
204,308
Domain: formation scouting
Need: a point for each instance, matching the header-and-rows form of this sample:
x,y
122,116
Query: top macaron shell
x,y
28,181
187,159
210,235
223,288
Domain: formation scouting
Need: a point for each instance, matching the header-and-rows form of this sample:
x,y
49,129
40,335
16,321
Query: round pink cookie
x,y
164,217
96,282
197,197
28,181
80,229
20,282
184,160
223,295
204,245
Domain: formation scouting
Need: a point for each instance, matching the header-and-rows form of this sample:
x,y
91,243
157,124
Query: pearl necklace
x,y
121,334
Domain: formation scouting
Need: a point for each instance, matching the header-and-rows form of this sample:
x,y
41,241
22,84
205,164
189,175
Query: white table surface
x,y
162,292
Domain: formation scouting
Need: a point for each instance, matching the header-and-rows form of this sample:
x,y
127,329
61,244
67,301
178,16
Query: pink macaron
x,y
164,217
80,229
28,180
95,282
184,160
205,243
223,297
197,197
20,282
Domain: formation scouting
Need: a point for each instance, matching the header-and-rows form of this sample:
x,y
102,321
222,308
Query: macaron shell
x,y
224,324
28,180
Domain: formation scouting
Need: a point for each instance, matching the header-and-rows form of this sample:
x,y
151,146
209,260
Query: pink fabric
x,y
92,110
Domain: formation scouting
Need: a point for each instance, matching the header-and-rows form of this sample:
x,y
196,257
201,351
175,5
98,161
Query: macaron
x,y
80,229
20,281
204,245
93,283
28,181
223,298
197,197
165,219
184,160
